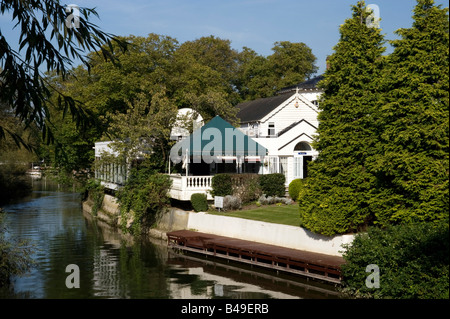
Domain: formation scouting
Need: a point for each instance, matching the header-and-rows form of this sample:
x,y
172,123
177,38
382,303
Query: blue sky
x,y
256,24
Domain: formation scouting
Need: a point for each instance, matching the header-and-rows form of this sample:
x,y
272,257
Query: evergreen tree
x,y
412,166
337,193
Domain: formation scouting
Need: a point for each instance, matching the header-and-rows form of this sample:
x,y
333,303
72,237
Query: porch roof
x,y
220,138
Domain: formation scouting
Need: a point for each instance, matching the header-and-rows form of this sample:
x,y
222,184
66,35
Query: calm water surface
x,y
113,266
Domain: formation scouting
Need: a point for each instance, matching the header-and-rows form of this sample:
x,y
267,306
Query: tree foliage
x,y
291,63
42,23
144,131
14,160
143,198
384,130
335,199
205,74
413,262
411,166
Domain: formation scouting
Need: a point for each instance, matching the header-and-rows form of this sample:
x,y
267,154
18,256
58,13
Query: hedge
x,y
273,184
221,185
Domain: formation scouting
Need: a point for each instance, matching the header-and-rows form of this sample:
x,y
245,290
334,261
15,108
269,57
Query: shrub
x,y
286,201
142,198
15,255
221,185
199,202
273,184
294,188
263,200
246,187
413,261
95,192
231,203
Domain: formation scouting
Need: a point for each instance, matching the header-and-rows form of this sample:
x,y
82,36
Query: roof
x,y
308,85
252,111
255,110
220,138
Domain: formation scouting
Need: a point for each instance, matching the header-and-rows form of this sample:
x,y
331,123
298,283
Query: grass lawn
x,y
286,214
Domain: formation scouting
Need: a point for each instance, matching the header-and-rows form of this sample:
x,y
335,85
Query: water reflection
x,y
115,266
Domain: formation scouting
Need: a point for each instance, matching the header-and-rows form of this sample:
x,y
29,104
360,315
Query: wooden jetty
x,y
312,265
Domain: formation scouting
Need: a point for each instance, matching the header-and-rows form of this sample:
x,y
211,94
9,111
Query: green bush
x,y
95,192
327,216
143,197
294,188
199,202
273,184
221,185
413,261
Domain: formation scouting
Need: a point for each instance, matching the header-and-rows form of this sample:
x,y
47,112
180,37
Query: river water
x,y
114,266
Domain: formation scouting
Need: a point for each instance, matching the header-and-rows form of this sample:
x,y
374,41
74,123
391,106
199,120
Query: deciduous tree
x,y
290,64
48,43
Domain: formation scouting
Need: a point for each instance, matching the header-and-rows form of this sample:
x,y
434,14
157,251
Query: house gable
x,y
295,109
296,140
293,105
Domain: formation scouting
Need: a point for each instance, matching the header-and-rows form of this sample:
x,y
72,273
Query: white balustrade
x,y
200,182
184,186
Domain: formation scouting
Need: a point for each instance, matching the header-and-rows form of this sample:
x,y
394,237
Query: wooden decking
x,y
309,264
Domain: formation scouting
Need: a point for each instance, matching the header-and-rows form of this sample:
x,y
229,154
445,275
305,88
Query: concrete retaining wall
x,y
109,211
268,233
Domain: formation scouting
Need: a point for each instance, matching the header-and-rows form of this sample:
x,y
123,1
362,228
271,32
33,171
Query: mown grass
x,y
285,214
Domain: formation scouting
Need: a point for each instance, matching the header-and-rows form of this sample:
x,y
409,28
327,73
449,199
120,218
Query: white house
x,y
284,124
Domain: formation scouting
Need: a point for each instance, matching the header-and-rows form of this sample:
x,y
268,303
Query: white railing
x,y
184,186
200,182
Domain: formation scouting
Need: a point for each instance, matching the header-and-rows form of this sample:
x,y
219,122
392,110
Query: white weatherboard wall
x,y
268,233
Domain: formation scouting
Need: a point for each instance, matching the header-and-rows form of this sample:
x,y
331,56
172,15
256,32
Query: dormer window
x,y
271,130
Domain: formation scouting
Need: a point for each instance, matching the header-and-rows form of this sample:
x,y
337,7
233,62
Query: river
x,y
115,266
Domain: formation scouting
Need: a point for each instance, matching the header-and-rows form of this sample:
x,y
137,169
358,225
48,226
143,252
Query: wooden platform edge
x,y
199,245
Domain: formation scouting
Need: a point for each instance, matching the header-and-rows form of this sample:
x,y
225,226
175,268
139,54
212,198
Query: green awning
x,y
220,138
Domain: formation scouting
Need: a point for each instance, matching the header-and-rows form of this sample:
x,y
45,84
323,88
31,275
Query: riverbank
x,y
263,232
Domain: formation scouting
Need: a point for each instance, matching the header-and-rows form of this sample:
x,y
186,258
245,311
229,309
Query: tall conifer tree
x,y
336,196
412,166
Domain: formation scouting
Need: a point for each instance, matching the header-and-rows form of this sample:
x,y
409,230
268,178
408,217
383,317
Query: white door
x,y
298,167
